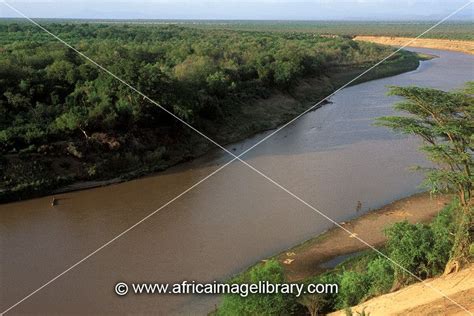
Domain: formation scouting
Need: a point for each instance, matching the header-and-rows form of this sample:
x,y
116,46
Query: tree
x,y
320,303
445,123
62,70
286,72
72,120
194,69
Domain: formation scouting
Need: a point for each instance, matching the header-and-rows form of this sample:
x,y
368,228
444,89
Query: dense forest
x,y
460,30
63,120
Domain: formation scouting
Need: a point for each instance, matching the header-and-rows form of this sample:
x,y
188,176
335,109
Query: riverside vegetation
x,y
445,123
459,30
62,120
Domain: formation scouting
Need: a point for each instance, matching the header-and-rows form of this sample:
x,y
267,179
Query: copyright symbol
x,y
121,289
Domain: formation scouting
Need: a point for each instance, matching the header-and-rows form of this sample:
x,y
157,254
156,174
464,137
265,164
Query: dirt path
x,y
421,299
310,257
446,44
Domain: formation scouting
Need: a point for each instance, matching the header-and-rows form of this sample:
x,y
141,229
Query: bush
x,y
409,245
421,249
353,288
443,228
380,275
259,304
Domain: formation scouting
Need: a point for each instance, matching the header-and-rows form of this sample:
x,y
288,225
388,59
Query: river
x,y
332,158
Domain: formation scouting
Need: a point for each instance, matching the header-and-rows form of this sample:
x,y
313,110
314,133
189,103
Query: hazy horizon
x,y
257,10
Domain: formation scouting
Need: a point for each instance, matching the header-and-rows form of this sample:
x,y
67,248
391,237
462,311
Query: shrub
x,y
380,275
259,304
73,150
353,288
421,249
409,245
443,228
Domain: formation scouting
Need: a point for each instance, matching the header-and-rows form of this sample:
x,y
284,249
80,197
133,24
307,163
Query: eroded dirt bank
x,y
423,298
445,44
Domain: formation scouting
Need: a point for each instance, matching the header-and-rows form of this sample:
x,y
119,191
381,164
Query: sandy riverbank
x,y
312,256
445,44
421,299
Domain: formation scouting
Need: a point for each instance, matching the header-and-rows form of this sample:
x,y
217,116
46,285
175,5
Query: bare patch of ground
x,y
446,44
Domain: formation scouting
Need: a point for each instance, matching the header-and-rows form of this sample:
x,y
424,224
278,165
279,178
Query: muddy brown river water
x,y
332,158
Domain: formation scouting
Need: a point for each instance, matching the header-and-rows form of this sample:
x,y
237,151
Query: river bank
x,y
74,172
332,158
334,246
326,250
445,44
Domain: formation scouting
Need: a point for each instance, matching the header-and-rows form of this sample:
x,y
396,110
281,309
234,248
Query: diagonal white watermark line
x,y
116,237
222,167
354,79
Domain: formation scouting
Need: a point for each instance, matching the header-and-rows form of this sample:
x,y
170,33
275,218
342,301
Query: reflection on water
x,y
332,158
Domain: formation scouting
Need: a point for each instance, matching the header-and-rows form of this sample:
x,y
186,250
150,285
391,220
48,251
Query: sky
x,y
241,9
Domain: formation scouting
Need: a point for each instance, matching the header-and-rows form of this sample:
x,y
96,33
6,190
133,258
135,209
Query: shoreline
x,y
466,47
324,251
282,108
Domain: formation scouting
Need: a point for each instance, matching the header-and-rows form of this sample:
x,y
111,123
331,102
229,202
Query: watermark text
x,y
242,289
